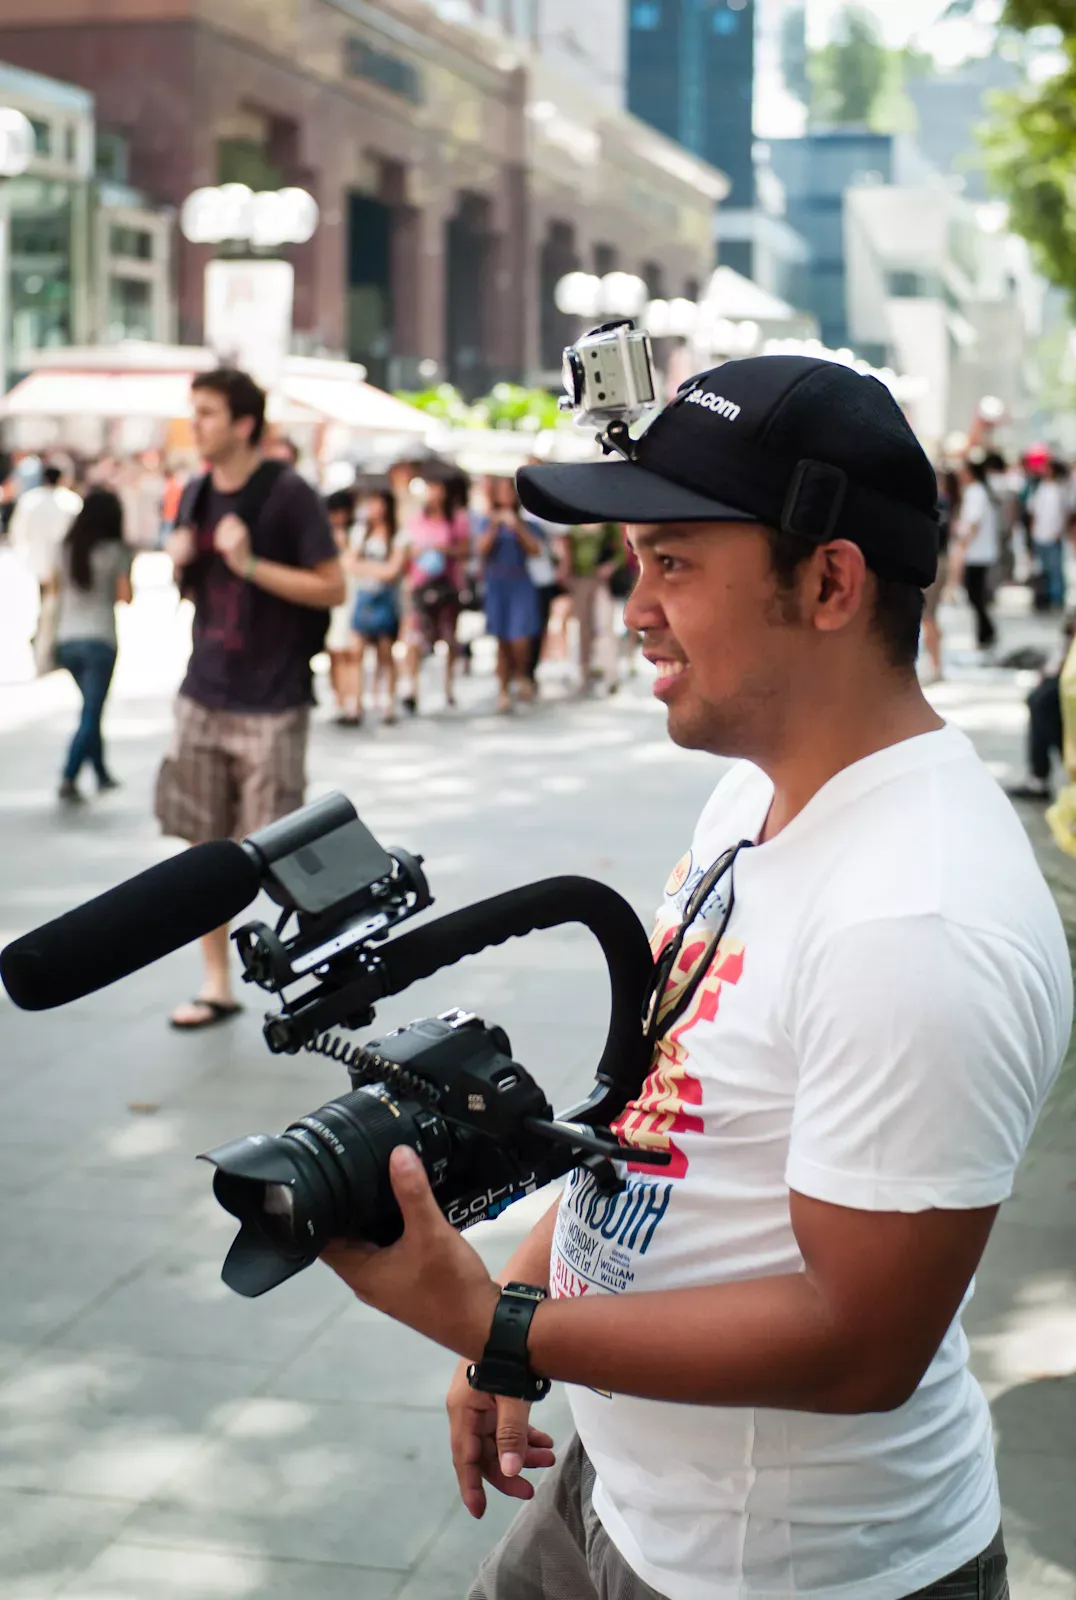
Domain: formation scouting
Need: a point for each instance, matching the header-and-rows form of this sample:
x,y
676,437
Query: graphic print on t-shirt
x,y
600,1237
224,608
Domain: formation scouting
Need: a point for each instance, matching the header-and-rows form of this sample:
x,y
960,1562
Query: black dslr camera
x,y
448,1085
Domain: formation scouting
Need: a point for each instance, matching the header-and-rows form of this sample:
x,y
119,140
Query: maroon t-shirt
x,y
251,651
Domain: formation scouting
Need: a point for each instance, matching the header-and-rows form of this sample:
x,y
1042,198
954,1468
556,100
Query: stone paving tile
x,y
111,1422
55,1270
146,1572
47,1538
366,1485
178,1306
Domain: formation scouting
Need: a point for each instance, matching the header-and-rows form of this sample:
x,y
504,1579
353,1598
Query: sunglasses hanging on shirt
x,y
659,1021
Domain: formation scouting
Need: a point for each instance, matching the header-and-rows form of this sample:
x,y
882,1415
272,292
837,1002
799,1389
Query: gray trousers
x,y
556,1549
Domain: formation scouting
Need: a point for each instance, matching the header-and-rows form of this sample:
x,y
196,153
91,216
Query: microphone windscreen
x,y
130,926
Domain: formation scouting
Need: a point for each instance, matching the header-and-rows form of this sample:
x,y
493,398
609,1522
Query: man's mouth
x,y
668,670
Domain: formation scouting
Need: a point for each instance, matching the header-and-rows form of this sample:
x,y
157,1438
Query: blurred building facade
x,y
86,258
816,172
458,172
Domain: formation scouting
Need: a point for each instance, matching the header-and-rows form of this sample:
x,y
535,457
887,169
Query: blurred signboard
x,y
362,60
248,312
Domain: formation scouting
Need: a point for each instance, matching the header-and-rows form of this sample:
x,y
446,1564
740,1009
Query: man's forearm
x,y
298,585
762,1342
530,1261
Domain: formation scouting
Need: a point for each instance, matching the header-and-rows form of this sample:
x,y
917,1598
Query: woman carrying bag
x,y
378,564
92,577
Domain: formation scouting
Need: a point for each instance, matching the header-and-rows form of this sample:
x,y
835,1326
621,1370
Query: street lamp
x,y
248,303
232,213
584,294
17,142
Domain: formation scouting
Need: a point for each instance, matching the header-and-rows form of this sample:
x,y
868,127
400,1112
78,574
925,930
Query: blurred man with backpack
x,y
253,550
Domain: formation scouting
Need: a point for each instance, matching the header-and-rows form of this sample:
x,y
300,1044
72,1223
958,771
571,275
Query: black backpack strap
x,y
194,515
254,495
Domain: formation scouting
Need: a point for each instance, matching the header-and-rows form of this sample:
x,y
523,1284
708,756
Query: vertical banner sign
x,y
248,314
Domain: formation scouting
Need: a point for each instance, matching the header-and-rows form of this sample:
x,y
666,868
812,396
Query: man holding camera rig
x,y
863,996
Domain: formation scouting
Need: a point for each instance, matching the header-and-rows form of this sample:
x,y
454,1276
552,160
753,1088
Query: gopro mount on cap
x,y
609,379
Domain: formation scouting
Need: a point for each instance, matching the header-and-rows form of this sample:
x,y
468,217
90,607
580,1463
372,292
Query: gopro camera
x,y
609,376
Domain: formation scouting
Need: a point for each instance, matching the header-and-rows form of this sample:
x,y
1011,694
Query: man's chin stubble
x,y
702,733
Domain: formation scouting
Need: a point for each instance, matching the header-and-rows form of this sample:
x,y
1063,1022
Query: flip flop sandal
x,y
219,1011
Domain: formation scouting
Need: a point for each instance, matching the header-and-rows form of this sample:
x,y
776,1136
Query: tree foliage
x,y
849,71
1026,14
507,406
1031,149
854,79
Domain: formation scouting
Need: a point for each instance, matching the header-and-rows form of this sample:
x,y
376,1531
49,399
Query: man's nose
x,y
643,610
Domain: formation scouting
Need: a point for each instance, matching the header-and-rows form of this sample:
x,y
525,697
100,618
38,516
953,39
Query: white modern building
x,y
952,298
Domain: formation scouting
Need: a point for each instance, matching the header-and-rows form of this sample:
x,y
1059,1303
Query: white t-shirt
x,y
39,526
1050,509
885,1015
978,512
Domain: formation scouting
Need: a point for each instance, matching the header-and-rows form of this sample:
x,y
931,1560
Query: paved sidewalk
x,y
161,1438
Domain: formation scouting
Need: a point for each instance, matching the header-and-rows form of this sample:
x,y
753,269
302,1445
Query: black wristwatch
x,y
504,1367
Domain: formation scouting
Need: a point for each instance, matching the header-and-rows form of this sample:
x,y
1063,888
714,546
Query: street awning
x,y
730,294
165,396
355,405
59,393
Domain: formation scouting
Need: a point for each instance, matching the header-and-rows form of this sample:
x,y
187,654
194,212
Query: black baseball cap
x,y
801,444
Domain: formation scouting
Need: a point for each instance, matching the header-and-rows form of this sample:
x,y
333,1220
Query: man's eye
x,y
668,563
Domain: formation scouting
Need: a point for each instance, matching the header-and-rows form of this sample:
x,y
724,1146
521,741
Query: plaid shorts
x,y
230,772
557,1549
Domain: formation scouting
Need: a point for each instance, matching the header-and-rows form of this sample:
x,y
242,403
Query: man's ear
x,y
839,585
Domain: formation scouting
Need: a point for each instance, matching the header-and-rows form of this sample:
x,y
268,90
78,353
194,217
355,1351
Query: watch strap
x,y
504,1367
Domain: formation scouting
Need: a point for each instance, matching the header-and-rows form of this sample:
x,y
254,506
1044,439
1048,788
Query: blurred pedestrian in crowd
x,y
379,563
254,552
39,524
91,576
948,509
1045,736
278,447
978,548
588,558
1049,510
544,575
175,481
505,542
340,642
440,542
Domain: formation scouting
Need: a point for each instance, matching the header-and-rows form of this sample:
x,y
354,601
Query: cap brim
x,y
616,491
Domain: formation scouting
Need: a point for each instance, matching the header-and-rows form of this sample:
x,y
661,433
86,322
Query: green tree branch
x,y
1030,147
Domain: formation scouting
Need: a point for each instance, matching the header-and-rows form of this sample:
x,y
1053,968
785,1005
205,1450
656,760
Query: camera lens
x,y
279,1214
325,1177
